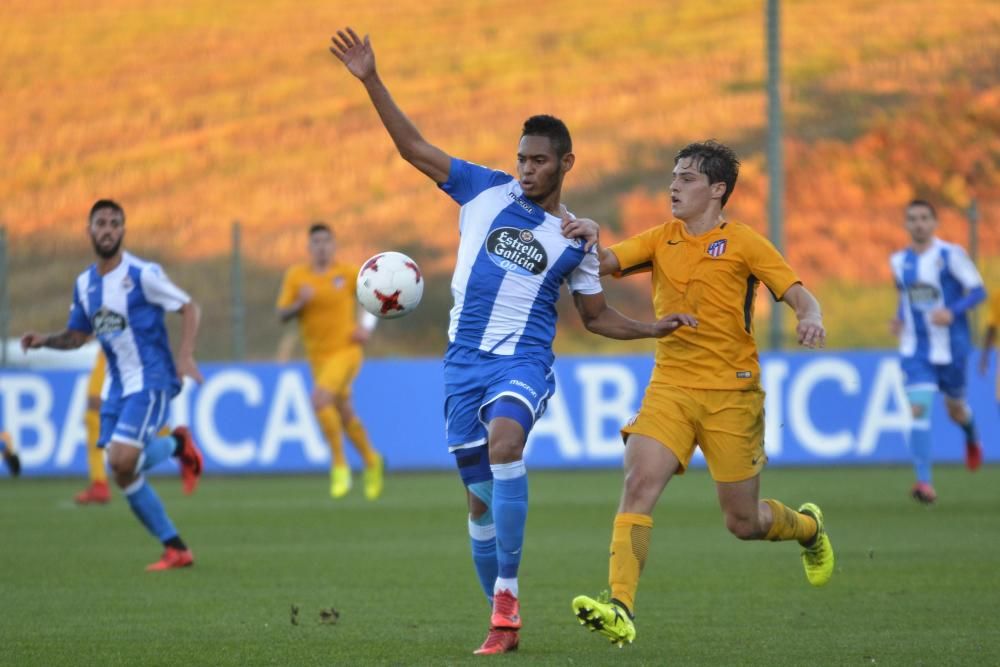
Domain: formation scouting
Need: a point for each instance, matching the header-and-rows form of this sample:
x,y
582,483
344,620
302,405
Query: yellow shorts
x,y
728,425
335,372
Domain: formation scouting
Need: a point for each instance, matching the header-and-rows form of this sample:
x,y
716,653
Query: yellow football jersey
x,y
714,277
329,318
994,321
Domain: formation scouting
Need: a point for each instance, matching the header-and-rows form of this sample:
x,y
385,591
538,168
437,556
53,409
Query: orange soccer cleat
x,y
924,493
97,493
506,611
973,456
190,458
172,558
499,640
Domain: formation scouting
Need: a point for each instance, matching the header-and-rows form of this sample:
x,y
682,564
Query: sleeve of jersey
x,y
768,266
159,290
994,310
635,255
289,288
586,278
78,320
466,180
963,269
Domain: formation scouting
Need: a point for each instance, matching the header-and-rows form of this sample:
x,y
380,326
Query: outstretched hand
x,y
671,323
357,55
811,333
579,228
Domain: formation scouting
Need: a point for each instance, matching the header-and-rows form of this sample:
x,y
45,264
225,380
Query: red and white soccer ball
x,y
390,285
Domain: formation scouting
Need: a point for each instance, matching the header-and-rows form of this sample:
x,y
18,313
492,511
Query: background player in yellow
x,y
321,295
9,454
990,338
705,388
98,491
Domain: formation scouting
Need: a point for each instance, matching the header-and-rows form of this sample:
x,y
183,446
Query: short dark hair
x,y
320,227
549,126
106,203
926,204
715,160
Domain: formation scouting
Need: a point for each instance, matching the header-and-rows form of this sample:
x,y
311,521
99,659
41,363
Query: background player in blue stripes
x,y
938,284
121,299
512,260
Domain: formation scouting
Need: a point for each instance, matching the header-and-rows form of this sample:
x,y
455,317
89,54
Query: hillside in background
x,y
196,114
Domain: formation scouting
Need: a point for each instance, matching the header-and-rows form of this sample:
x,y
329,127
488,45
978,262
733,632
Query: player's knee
x,y
640,485
343,406
506,448
743,527
321,399
917,410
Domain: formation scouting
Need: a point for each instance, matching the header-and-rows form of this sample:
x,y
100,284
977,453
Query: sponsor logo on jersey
x,y
717,248
107,322
521,202
516,250
923,296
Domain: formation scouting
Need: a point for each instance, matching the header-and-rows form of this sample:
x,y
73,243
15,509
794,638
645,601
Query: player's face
x,y
107,229
920,223
539,169
321,247
690,192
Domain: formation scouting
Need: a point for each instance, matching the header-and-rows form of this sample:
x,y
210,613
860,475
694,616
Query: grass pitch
x,y
913,585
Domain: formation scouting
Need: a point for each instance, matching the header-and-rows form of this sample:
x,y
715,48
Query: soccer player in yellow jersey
x,y
321,295
98,491
705,389
9,454
990,338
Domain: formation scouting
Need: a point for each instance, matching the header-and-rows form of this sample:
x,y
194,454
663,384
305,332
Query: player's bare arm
x,y
359,59
590,231
190,323
64,340
305,295
810,330
602,319
989,339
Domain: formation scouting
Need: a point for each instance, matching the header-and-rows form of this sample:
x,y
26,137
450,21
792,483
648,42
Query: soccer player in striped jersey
x,y
121,300
512,260
938,285
705,388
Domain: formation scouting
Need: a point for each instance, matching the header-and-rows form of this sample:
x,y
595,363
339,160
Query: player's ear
x,y
567,162
718,189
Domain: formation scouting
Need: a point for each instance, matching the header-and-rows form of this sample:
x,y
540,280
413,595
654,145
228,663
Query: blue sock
x,y
510,514
149,510
920,449
484,555
969,428
157,451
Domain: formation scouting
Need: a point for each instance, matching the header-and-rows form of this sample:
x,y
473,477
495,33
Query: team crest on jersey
x,y
127,283
516,250
107,322
717,248
338,282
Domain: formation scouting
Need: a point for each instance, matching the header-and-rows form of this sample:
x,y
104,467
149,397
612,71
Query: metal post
x,y
775,161
4,303
972,214
236,290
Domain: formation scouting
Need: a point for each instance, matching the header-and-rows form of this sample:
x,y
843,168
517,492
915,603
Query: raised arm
x,y
359,59
602,319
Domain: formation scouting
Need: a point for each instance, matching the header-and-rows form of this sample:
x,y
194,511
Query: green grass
x,y
913,585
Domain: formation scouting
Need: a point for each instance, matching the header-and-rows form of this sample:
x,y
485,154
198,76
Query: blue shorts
x,y
473,379
921,373
134,419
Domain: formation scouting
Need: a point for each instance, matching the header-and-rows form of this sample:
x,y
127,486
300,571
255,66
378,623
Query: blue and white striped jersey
x,y
124,310
940,277
512,260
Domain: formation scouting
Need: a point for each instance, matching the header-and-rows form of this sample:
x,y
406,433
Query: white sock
x,y
505,584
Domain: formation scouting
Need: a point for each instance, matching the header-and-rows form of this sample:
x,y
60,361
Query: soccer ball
x,y
390,285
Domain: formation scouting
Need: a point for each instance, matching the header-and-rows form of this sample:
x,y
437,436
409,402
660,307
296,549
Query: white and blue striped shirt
x,y
942,276
512,260
124,310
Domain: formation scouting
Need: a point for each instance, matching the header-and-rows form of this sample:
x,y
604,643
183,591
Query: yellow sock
x,y
95,455
356,432
629,548
787,524
329,422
